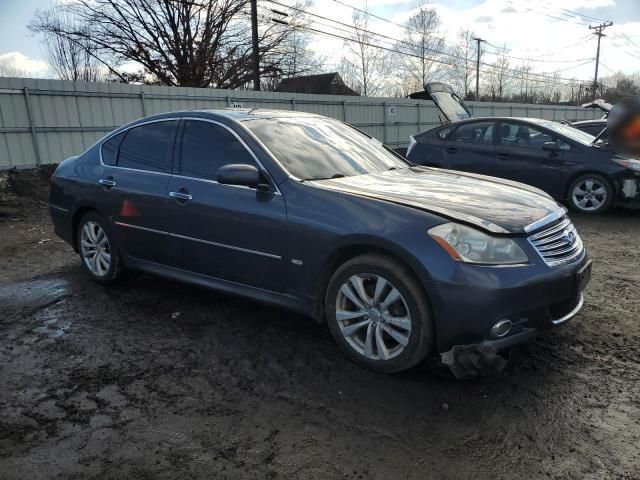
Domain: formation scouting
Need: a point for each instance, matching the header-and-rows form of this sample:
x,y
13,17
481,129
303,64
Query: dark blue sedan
x,y
308,213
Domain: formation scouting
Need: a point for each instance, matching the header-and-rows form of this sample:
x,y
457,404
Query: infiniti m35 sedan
x,y
310,214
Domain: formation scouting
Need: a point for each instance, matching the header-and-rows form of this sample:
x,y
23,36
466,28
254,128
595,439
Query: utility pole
x,y
479,40
598,32
255,52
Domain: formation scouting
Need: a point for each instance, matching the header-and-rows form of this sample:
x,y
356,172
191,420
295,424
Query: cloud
x,y
19,63
484,19
508,10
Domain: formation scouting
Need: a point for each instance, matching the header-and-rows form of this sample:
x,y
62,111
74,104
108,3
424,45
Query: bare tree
x,y
365,67
197,43
425,49
8,69
499,79
524,75
69,58
463,73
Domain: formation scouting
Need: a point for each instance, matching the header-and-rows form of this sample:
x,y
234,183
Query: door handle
x,y
107,182
180,196
503,156
451,149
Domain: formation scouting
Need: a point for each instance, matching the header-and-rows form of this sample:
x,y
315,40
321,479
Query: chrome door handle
x,y
180,196
107,182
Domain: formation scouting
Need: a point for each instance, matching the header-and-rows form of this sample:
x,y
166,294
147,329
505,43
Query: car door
x,y
135,170
470,147
233,233
520,157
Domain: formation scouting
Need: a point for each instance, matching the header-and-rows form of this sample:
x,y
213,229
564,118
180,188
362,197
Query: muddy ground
x,y
156,379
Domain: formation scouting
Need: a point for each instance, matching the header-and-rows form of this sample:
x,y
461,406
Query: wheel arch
x,y
79,212
615,184
347,251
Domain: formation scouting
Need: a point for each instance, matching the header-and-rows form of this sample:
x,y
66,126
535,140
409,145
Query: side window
x,y
206,147
524,136
148,147
110,149
478,133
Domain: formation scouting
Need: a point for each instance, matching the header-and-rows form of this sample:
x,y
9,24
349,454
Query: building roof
x,y
323,84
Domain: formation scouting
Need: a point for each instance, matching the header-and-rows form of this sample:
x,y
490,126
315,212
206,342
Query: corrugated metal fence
x,y
45,121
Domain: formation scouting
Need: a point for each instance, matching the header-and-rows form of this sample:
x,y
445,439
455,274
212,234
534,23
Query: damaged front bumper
x,y
486,358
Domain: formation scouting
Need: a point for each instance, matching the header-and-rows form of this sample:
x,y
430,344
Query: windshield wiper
x,y
337,175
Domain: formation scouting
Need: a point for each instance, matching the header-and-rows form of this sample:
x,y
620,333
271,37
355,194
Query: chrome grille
x,y
558,244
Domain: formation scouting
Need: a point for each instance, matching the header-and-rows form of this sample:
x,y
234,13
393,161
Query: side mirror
x,y
550,147
239,174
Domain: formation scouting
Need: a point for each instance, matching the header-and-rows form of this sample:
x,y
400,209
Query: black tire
x,y
420,338
115,268
581,184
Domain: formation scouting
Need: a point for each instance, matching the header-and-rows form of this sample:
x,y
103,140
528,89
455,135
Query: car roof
x,y
598,121
239,114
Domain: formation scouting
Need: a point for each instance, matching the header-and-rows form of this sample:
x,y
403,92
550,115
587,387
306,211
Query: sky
x,y
553,33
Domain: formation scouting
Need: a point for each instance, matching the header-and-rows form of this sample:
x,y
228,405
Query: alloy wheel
x,y
589,195
95,248
373,316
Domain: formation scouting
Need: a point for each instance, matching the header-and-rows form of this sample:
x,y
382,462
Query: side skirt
x,y
289,302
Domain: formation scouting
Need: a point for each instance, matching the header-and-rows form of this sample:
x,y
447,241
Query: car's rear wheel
x,y
99,253
591,194
378,313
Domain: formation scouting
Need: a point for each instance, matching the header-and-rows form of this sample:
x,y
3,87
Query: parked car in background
x,y
563,161
597,126
308,213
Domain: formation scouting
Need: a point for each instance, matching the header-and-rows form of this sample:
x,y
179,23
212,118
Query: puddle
x,y
53,323
33,294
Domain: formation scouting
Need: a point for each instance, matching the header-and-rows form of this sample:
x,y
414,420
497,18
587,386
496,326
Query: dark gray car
x,y
565,162
308,213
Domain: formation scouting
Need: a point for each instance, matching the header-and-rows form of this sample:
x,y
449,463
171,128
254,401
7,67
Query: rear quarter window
x,y
109,149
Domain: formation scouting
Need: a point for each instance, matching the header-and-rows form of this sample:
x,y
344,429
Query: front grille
x,y
559,243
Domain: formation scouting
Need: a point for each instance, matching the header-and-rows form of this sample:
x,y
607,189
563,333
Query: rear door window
x,y
148,147
206,146
477,133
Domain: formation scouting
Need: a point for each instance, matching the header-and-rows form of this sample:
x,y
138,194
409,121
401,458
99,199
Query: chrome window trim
x,y
214,182
200,240
126,129
235,134
545,220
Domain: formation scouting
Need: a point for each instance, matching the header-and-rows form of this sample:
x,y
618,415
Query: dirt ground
x,y
156,379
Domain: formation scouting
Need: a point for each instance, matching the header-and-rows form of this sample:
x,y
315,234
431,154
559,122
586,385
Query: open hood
x,y
599,103
443,95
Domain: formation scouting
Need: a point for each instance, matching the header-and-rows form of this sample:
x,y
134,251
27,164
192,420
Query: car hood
x,y
492,204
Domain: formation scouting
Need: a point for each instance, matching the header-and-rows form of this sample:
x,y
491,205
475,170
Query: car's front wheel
x,y
591,193
98,251
378,313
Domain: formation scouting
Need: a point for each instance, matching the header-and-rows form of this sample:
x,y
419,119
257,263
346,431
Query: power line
x,y
398,41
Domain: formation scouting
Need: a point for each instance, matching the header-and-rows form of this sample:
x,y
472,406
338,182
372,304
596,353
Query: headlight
x,y
631,164
466,244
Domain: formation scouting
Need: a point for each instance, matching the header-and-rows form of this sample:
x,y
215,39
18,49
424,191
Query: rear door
x,y
233,233
520,157
136,167
470,147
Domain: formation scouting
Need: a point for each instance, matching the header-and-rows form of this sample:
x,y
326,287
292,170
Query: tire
x,y
99,254
591,194
400,332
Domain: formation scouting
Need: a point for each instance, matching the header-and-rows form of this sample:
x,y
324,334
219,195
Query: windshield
x,y
312,148
568,131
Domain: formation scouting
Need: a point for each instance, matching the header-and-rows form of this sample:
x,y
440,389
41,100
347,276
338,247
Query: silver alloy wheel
x,y
589,195
95,249
373,316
